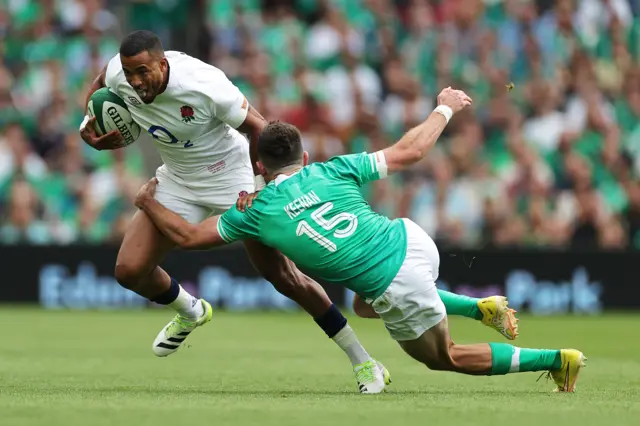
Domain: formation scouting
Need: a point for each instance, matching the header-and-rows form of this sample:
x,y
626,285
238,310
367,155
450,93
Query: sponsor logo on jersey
x,y
216,167
187,113
134,101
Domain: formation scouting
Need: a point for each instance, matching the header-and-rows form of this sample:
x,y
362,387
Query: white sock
x,y
348,342
187,305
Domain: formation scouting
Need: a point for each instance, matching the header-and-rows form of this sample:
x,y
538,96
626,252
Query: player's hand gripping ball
x,y
112,115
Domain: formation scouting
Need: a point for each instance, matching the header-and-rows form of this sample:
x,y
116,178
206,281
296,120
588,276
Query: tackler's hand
x,y
246,201
147,191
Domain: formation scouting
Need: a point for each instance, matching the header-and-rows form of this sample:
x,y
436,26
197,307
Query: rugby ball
x,y
112,114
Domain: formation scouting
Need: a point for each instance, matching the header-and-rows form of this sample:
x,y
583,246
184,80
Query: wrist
x,y
84,122
445,111
145,200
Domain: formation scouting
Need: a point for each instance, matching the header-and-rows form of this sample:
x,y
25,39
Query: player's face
x,y
146,73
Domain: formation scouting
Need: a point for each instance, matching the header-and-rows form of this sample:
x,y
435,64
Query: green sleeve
x,y
362,168
234,225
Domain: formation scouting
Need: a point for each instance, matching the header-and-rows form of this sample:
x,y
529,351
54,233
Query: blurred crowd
x,y
549,154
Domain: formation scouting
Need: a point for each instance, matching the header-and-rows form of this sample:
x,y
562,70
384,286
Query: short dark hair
x,y
140,41
280,146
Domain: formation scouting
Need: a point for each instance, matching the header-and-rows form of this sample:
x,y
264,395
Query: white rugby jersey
x,y
193,121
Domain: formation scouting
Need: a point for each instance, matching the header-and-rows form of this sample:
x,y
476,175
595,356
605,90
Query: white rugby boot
x,y
173,335
372,377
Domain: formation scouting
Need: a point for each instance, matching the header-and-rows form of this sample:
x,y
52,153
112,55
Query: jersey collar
x,y
172,76
281,178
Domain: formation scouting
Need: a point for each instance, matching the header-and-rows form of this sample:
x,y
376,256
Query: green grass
x,y
96,368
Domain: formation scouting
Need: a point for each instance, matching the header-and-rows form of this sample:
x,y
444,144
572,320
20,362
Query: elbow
x,y
417,154
189,240
187,244
197,238
191,243
412,155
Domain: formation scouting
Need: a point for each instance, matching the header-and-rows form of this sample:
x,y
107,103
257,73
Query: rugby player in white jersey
x,y
197,119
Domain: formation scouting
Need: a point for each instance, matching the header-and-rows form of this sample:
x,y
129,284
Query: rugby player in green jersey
x,y
316,216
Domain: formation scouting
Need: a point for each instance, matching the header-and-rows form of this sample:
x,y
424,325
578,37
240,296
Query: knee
x,y
285,279
280,278
442,361
361,309
440,364
128,274
358,308
289,284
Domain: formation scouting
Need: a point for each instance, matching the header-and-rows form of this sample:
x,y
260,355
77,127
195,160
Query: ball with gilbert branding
x,y
112,114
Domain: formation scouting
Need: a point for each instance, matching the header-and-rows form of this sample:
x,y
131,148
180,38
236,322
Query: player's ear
x,y
262,169
305,158
164,64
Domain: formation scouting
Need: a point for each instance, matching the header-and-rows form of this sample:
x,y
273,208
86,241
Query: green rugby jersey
x,y
318,218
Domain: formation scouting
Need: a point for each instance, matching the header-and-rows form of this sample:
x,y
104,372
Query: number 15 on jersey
x,y
348,219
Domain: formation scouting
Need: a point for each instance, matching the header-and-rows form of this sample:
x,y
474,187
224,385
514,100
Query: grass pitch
x,y
96,368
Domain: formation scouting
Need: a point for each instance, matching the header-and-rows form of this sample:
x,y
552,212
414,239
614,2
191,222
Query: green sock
x,y
457,304
510,359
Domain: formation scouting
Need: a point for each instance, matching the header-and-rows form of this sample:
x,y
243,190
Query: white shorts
x,y
195,205
411,304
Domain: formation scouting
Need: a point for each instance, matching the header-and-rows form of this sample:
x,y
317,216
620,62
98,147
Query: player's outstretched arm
x,y
417,142
184,234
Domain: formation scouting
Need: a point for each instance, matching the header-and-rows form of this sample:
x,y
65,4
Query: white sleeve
x,y
114,68
228,103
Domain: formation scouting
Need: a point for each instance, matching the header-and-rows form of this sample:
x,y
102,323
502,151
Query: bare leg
x,y
142,249
287,279
437,351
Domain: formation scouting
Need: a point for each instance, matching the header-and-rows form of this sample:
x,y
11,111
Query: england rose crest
x,y
187,113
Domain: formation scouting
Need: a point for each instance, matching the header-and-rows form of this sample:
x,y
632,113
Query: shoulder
x,y
184,64
199,78
114,74
192,72
347,160
318,170
359,167
266,195
261,201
